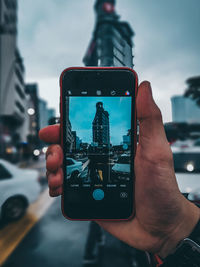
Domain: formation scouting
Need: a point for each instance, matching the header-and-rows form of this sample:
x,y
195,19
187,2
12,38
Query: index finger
x,y
50,134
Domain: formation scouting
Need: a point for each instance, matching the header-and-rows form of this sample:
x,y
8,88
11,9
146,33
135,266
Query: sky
x,y
82,113
54,34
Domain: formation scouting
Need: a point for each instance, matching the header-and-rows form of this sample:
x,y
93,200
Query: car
x,y
121,169
74,168
18,187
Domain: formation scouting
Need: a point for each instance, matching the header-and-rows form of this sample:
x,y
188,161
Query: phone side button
x,y
98,194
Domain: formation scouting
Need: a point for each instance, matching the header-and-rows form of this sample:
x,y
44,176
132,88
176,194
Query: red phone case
x,y
61,130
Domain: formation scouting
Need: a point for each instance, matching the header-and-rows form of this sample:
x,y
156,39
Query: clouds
x,y
166,44
54,34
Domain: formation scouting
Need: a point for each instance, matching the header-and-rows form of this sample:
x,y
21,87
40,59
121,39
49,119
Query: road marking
x,y
85,164
100,174
12,234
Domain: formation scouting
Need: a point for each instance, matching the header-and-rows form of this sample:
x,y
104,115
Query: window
x,y
4,173
7,3
19,76
118,54
19,91
10,4
20,107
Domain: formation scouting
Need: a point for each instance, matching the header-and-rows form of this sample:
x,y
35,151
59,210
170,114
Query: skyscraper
x,y
13,100
101,126
111,43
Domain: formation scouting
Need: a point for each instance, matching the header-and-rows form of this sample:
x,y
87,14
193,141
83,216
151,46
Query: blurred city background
x,y
38,39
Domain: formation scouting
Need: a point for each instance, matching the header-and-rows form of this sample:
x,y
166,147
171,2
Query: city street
x,y
43,237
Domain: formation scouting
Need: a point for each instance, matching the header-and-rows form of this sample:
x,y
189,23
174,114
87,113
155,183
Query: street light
x,y
31,111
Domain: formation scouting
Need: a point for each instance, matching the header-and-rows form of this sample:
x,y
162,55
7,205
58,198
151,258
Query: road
x,y
43,237
53,241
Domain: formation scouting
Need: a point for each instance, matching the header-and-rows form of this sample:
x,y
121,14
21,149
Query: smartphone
x,y
98,136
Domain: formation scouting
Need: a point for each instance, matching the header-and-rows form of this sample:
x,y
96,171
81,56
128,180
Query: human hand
x,y
163,216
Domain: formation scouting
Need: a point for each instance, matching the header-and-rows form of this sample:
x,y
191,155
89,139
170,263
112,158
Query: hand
x,y
163,216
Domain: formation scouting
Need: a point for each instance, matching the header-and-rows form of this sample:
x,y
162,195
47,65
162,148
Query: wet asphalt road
x,y
53,241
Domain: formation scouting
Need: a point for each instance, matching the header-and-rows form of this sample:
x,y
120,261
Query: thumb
x,y
150,119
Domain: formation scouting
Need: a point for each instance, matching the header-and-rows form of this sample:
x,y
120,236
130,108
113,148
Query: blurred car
x,y
19,188
121,169
186,155
188,182
74,168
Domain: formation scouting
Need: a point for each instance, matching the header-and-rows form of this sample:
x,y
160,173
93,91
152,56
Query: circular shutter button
x,y
98,194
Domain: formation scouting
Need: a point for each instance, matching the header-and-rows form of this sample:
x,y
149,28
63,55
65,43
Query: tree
x,y
193,90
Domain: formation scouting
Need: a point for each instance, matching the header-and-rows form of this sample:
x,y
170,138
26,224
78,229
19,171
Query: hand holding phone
x,y
98,136
163,216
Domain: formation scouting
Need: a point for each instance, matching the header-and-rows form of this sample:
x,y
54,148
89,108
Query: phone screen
x,y
98,146
98,150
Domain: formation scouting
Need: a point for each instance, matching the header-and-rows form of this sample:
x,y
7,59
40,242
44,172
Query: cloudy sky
x,y
54,34
82,114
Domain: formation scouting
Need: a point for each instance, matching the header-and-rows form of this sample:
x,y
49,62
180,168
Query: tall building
x,y
126,139
51,114
101,126
111,43
13,100
33,111
185,109
74,140
69,135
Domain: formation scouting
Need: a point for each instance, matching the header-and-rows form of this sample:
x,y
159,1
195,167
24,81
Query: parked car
x,y
121,169
18,188
74,168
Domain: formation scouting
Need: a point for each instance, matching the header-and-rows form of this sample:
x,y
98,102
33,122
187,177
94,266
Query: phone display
x,y
98,145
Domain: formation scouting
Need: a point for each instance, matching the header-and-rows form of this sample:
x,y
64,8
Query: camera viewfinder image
x,y
98,140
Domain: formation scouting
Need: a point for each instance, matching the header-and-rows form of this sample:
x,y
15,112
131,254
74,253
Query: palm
x,y
152,195
158,202
156,190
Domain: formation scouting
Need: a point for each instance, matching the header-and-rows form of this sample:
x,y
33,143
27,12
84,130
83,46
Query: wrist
x,y
186,222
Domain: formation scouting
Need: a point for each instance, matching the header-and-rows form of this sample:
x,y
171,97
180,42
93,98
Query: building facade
x,y
13,99
34,115
111,44
185,110
101,126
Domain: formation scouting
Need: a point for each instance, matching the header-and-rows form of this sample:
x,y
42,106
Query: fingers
x,y
55,182
55,192
50,134
149,116
54,160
